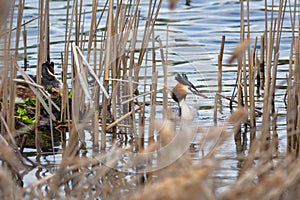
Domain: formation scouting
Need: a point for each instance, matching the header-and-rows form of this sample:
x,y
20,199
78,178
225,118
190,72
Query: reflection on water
x,y
195,34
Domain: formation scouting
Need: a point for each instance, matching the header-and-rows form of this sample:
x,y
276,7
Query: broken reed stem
x,y
220,63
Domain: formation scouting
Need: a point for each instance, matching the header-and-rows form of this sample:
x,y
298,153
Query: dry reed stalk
x,y
149,26
96,104
248,31
92,35
239,87
273,83
77,18
152,108
132,88
13,72
261,69
220,63
5,88
115,123
41,59
122,61
6,39
47,31
220,60
79,72
51,128
132,65
25,48
114,85
266,103
290,118
10,136
90,70
80,86
282,8
133,117
142,124
217,98
252,71
6,85
2,33
65,114
6,9
296,91
291,104
153,87
242,61
107,64
165,74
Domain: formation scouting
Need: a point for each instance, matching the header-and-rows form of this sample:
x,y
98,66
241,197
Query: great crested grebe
x,y
179,93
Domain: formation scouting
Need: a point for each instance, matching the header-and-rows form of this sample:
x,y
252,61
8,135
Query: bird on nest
x,y
48,81
179,93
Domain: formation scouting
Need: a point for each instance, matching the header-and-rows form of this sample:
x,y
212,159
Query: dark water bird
x,y
179,93
48,80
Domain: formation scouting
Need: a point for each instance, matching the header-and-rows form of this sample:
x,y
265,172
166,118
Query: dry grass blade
x,y
121,118
28,82
136,97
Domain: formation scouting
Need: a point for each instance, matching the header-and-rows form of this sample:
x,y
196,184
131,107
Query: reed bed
x,y
108,98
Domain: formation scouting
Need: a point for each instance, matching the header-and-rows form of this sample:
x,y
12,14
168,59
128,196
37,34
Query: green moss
x,y
23,113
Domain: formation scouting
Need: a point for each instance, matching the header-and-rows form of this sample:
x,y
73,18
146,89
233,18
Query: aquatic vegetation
x,y
24,112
